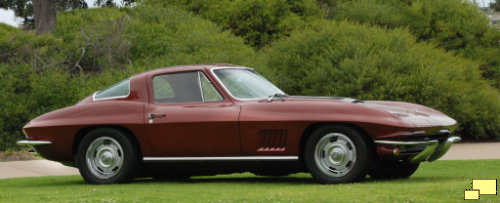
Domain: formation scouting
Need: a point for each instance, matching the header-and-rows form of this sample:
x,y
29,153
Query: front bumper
x,y
419,151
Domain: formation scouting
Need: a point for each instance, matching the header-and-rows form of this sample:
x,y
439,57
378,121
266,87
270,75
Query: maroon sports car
x,y
183,121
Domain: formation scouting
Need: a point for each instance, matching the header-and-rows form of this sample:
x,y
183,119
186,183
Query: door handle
x,y
156,115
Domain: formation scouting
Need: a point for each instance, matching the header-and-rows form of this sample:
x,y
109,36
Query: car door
x,y
187,116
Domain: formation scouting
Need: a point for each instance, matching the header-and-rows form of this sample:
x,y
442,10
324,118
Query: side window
x,y
162,89
118,90
209,91
177,87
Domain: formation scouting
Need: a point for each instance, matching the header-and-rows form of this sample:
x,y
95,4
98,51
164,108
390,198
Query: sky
x,y
7,16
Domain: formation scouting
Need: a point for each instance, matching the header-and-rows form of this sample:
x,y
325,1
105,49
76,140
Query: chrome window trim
x,y
200,74
215,88
201,87
227,158
116,97
227,90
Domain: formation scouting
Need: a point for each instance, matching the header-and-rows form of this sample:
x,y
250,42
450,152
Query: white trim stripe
x,y
226,158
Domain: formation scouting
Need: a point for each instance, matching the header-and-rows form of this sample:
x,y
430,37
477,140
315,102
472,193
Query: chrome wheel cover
x,y
104,157
335,154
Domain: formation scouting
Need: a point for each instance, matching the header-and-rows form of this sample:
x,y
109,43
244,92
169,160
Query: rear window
x,y
118,90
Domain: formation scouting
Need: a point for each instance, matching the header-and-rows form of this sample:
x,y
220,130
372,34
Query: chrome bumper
x,y
433,148
33,142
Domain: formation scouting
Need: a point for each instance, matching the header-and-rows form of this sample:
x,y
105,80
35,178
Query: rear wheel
x,y
337,154
106,156
393,170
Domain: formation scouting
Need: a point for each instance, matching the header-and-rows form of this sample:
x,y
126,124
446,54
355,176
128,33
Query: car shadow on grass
x,y
54,181
284,180
411,179
263,180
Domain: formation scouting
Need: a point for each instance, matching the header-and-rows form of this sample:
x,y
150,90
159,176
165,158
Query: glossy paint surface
x,y
229,127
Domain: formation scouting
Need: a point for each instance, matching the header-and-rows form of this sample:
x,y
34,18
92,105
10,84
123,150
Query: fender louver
x,y
272,140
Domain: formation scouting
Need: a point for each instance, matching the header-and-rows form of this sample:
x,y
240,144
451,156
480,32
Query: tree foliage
x,y
111,3
495,5
259,22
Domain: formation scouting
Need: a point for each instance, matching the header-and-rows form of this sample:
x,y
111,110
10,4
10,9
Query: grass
x,y
440,181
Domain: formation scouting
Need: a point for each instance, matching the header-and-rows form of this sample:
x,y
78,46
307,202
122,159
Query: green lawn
x,y
440,181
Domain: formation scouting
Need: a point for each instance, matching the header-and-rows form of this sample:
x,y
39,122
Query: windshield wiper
x,y
277,95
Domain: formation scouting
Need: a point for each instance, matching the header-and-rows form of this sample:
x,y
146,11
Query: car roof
x,y
186,68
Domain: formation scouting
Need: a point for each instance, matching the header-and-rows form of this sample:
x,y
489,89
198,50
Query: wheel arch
x,y
311,128
85,130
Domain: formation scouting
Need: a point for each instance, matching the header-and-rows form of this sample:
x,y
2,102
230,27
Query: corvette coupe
x,y
192,120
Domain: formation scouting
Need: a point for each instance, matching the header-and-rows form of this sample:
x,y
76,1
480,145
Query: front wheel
x,y
337,154
107,156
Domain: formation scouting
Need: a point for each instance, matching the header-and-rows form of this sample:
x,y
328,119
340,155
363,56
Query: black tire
x,y
393,170
350,155
118,161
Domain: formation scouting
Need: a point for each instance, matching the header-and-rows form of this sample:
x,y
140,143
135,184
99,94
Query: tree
x,y
25,9
45,16
495,5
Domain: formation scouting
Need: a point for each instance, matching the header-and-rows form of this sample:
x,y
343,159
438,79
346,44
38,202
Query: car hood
x,y
415,114
418,115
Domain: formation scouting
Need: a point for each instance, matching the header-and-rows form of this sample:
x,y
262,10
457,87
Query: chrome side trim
x,y
33,142
403,143
227,158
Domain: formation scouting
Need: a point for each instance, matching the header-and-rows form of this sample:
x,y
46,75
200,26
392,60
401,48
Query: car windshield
x,y
246,83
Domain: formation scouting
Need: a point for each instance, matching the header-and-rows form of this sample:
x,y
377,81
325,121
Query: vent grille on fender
x,y
272,140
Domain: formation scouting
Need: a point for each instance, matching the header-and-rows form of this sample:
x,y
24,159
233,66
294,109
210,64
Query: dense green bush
x,y
360,61
454,25
17,47
259,22
27,93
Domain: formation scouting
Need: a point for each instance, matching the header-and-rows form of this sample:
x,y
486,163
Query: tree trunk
x,y
45,16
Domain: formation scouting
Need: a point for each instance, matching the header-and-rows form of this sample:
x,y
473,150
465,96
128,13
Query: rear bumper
x,y
428,150
34,142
